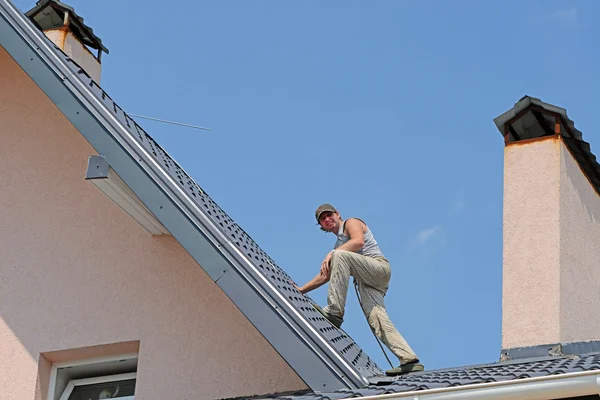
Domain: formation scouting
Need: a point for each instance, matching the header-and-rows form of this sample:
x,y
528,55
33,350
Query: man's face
x,y
330,221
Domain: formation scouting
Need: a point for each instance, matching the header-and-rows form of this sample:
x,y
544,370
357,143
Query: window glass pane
x,y
108,390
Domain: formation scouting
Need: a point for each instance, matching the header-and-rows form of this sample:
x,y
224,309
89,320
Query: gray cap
x,y
324,208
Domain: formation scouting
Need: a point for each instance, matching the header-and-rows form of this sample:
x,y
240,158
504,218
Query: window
x,y
120,386
100,378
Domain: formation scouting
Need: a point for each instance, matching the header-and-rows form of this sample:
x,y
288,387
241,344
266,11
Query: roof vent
x,y
67,31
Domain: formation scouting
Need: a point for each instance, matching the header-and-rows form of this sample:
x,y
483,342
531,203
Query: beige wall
x,y
76,271
530,284
76,50
551,247
579,253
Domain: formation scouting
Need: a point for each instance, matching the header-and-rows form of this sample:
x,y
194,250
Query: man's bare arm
x,y
314,283
355,230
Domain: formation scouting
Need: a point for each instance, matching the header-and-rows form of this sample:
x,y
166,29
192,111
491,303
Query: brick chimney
x,y
551,231
66,29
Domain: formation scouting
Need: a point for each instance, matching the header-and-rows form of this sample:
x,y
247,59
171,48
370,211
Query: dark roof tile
x,y
469,375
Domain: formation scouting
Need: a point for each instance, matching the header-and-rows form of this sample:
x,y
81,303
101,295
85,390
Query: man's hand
x,y
321,278
325,271
294,285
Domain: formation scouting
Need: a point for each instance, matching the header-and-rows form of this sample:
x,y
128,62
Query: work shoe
x,y
335,320
411,366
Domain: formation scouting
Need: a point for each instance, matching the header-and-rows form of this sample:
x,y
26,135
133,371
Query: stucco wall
x,y
531,278
551,279
579,253
76,271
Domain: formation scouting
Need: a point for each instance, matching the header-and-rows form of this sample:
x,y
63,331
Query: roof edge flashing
x,y
561,349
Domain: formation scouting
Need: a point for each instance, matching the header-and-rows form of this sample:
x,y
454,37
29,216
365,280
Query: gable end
x,y
323,356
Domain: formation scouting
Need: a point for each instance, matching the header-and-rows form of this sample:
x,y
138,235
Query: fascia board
x,y
196,233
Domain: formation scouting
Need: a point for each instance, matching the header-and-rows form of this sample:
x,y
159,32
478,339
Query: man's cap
x,y
324,208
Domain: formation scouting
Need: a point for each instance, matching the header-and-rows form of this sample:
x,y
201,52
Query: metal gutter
x,y
539,388
342,373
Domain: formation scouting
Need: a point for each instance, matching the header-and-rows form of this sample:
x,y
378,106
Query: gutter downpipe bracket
x,y
539,388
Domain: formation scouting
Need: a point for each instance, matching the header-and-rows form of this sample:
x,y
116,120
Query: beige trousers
x,y
372,276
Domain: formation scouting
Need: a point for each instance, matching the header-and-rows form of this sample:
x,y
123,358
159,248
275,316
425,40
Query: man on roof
x,y
357,254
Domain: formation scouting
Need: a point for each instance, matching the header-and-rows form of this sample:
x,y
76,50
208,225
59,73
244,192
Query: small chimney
x,y
551,233
66,29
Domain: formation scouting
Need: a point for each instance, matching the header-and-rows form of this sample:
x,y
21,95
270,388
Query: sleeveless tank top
x,y
370,247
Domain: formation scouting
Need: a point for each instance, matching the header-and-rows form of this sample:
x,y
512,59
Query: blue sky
x,y
383,109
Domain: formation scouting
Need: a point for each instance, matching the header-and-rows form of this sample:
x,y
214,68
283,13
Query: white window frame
x,y
97,379
87,361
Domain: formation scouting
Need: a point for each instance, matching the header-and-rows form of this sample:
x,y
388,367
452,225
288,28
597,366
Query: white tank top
x,y
370,247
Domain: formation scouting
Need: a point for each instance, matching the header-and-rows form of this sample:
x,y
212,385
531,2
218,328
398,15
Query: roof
x,y
325,357
45,15
454,377
531,118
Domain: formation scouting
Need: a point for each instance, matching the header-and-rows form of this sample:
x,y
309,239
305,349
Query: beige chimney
x,y
66,30
551,229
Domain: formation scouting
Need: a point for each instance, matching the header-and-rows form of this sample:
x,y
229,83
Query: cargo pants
x,y
372,276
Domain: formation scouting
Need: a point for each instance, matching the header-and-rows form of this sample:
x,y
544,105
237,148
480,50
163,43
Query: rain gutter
x,y
538,388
